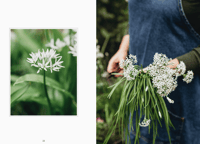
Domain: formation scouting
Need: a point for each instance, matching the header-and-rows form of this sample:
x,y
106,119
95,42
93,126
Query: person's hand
x,y
113,65
175,63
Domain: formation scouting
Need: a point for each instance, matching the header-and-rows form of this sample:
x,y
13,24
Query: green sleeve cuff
x,y
191,60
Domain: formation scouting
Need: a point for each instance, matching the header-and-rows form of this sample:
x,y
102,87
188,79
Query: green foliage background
x,y
112,25
28,97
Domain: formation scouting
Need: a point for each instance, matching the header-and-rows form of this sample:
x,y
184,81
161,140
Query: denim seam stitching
x,y
186,20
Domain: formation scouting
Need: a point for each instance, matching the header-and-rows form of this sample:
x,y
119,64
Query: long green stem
x,y
48,100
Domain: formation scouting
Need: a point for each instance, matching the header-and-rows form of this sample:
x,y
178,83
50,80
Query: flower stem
x,y
48,100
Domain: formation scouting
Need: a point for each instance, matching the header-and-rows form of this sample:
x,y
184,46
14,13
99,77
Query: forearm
x,y
124,46
191,60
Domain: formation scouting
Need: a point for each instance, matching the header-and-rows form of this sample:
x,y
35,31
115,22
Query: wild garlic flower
x,y
122,63
130,72
181,68
145,122
46,60
73,50
134,58
59,44
163,77
67,40
160,59
188,77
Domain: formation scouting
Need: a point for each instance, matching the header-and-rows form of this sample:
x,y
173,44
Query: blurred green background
x,y
28,98
112,25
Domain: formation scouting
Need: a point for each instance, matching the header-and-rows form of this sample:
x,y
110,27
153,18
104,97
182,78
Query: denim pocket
x,y
162,137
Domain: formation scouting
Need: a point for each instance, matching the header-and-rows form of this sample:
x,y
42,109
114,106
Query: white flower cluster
x,y
188,78
145,122
46,60
130,72
163,77
73,50
59,44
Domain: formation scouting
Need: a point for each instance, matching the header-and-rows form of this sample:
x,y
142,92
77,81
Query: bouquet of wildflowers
x,y
143,95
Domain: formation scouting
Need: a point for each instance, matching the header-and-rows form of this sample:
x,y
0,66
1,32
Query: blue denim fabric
x,y
161,26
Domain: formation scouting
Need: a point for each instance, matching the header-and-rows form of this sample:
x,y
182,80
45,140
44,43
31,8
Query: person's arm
x,y
191,60
113,64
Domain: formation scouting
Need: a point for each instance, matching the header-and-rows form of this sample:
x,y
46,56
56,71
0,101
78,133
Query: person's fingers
x,y
112,66
144,70
120,71
173,63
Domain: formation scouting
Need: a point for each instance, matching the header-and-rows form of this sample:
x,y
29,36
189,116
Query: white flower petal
x,y
170,100
146,88
160,114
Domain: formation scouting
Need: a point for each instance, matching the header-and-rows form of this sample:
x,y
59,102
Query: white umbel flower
x,y
145,122
73,50
67,40
59,44
130,72
189,76
44,60
181,68
134,58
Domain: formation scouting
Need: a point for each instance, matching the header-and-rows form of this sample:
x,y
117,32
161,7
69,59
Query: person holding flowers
x,y
171,27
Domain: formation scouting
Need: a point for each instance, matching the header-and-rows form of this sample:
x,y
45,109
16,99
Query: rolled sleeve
x,y
191,60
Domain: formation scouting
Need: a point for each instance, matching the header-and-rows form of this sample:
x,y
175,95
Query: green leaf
x,y
49,82
105,33
47,35
17,87
14,77
30,93
56,96
26,40
37,78
40,100
57,34
15,96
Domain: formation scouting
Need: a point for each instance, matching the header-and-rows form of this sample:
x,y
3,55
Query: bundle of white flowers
x,y
143,94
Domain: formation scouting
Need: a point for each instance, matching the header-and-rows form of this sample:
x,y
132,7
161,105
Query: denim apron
x,y
161,26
